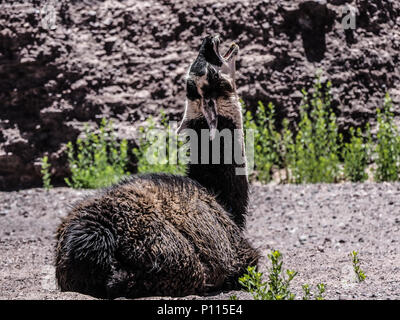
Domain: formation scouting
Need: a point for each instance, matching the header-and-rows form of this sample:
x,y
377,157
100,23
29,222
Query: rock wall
x,y
126,60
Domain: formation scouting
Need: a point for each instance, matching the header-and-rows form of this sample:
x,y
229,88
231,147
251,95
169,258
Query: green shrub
x,y
277,286
288,150
314,157
45,171
98,160
321,291
356,265
266,140
156,139
307,292
356,155
388,145
310,155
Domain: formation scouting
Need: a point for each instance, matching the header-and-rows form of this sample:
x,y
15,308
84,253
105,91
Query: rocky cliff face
x,y
125,60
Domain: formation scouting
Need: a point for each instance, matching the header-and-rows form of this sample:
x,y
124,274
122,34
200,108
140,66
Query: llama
x,y
168,235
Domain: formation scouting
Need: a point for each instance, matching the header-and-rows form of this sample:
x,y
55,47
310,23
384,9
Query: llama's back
x,y
150,235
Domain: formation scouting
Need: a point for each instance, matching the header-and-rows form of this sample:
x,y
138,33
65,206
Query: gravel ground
x,y
314,226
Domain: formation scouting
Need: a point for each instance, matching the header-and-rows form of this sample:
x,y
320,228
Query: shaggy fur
x,y
151,235
161,234
231,190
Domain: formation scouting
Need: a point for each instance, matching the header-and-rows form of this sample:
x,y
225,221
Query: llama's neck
x,y
227,180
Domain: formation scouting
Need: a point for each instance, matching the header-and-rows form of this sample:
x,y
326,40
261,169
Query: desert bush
x,y
314,152
311,154
307,294
360,275
387,150
356,155
315,155
45,171
157,150
97,160
266,140
277,287
321,291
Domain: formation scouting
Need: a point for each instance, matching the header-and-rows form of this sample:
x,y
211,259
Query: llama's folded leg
x,y
160,262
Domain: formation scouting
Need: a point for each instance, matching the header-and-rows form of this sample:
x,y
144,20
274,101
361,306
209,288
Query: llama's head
x,y
210,86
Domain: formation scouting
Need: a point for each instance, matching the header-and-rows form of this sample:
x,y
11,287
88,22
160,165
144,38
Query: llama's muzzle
x,y
232,51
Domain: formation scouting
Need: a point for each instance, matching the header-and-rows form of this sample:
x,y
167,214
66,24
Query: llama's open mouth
x,y
229,54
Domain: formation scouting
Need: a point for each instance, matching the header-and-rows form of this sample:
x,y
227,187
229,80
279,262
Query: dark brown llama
x,y
159,234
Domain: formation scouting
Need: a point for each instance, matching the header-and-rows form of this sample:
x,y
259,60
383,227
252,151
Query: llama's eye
x,y
212,74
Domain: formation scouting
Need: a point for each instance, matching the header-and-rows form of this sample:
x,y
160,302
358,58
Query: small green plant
x,y
266,140
158,146
45,171
321,291
388,145
307,291
288,150
356,265
277,286
356,155
98,160
252,282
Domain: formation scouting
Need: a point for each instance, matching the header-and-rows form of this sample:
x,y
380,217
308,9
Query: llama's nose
x,y
216,38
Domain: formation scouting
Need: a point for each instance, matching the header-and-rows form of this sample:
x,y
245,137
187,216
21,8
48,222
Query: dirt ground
x,y
314,226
